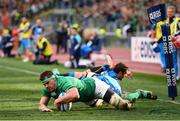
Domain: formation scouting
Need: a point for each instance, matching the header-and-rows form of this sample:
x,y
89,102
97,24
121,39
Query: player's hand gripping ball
x,y
65,106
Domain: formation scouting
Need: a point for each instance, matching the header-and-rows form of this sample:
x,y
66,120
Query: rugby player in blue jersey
x,y
111,76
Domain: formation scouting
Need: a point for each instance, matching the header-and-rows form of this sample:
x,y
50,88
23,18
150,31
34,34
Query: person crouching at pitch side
x,y
44,51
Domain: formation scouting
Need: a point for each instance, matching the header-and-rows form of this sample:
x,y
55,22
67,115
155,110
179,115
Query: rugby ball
x,y
65,106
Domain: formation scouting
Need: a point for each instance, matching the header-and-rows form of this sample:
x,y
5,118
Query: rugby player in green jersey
x,y
84,90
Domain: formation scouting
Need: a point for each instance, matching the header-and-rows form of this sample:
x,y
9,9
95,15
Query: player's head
x,y
48,80
171,11
121,70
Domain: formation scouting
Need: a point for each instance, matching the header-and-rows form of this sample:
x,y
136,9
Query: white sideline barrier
x,y
141,50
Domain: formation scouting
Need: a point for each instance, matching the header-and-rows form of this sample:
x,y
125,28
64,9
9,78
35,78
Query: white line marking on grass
x,y
19,69
5,100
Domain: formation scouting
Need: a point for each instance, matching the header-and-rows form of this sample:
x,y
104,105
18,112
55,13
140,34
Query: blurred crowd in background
x,y
11,11
109,14
123,12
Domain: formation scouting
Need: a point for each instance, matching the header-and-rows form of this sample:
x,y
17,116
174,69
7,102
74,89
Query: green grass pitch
x,y
20,92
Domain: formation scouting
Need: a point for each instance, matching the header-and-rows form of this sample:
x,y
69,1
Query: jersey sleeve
x,y
153,27
46,93
44,46
158,31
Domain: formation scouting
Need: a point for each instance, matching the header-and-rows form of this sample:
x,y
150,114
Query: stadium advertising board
x,y
142,50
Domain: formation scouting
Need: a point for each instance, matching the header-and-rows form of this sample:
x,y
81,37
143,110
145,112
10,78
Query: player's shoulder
x,y
44,39
45,92
66,79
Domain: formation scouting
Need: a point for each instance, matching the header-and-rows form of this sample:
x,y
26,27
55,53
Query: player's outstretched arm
x,y
43,104
80,74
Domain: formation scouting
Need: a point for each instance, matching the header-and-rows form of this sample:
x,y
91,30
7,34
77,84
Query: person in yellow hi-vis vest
x,y
102,35
25,34
44,51
175,30
156,33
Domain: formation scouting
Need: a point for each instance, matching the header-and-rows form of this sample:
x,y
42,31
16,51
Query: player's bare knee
x,y
115,100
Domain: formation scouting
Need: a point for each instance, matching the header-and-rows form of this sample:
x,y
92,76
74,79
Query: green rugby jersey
x,y
86,88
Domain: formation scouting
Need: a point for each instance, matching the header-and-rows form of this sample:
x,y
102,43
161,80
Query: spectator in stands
x,y
16,17
5,16
10,14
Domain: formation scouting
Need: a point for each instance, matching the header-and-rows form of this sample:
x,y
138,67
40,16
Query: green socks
x,y
132,97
